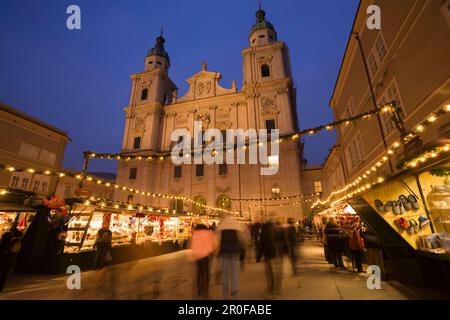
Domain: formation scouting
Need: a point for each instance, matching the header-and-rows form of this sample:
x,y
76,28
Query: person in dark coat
x,y
273,247
256,234
291,237
10,245
102,246
268,251
335,243
230,238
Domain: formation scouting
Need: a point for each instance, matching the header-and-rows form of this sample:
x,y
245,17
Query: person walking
x,y
102,246
203,245
246,238
291,237
256,234
334,241
273,246
356,244
230,239
10,245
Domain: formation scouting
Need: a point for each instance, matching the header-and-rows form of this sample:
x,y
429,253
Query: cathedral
x,y
266,100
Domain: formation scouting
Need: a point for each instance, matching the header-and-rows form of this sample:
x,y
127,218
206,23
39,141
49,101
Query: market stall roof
x,y
13,207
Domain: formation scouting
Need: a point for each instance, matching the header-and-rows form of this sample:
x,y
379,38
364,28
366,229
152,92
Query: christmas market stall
x,y
136,234
410,213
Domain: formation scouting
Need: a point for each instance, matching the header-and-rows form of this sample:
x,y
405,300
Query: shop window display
x,y
436,189
128,228
22,219
399,203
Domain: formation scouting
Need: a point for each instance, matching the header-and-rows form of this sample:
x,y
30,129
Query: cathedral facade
x,y
266,100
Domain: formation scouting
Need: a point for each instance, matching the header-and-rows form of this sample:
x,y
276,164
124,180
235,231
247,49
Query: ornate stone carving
x,y
223,118
268,106
205,118
200,88
204,87
139,124
181,120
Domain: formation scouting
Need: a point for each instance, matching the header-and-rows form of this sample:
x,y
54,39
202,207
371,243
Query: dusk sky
x,y
79,80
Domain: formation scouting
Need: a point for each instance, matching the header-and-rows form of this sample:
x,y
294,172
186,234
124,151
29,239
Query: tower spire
x,y
263,28
157,57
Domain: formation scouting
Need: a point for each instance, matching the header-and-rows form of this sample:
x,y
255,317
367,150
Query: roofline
x,y
313,169
72,171
350,37
329,155
23,115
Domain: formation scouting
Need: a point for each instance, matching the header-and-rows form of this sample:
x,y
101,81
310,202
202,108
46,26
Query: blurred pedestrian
x,y
335,243
10,245
356,244
291,237
256,234
203,246
326,250
102,247
271,248
230,238
246,238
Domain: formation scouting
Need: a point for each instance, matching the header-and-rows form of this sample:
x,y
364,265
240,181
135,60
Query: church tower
x,y
267,76
152,89
270,97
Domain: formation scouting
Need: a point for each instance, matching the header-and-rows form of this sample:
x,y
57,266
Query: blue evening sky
x,y
79,80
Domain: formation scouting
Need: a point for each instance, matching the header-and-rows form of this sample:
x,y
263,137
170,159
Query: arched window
x,y
224,202
197,208
265,71
144,94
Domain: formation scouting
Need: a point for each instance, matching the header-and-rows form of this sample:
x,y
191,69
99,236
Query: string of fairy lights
x,y
418,130
155,156
110,185
310,195
144,209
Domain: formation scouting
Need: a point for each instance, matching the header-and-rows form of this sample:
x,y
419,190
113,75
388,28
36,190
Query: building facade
x,y
407,62
267,100
68,186
29,143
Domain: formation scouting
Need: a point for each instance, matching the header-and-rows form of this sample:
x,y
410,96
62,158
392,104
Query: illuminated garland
x,y
280,205
419,129
424,157
389,107
114,204
109,185
278,198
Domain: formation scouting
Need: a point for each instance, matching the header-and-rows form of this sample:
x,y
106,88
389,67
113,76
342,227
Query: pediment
x,y
205,84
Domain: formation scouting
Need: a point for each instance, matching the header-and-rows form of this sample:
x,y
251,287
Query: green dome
x,y
261,22
158,49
